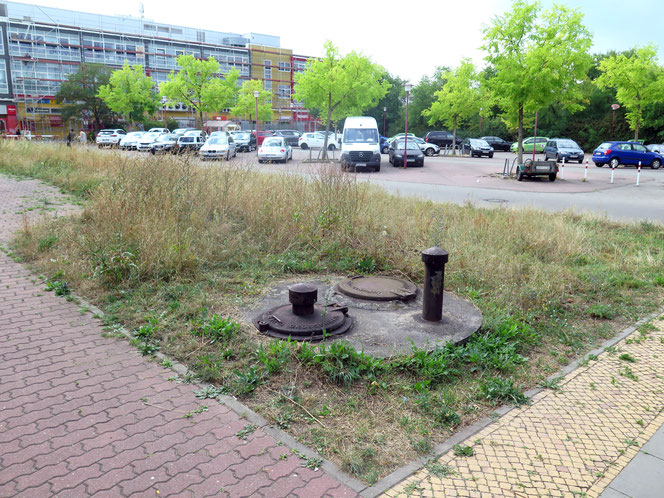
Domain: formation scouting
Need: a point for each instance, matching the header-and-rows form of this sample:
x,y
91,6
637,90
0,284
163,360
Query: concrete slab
x,y
655,446
642,478
612,493
388,329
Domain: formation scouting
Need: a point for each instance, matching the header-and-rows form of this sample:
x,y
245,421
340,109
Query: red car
x,y
262,135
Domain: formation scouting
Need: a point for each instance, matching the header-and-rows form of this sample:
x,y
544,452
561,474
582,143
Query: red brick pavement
x,y
84,415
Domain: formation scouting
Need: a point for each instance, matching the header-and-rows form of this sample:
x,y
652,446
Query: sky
x,y
410,39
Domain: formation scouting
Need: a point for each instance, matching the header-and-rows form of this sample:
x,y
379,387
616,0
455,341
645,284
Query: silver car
x,y
429,149
130,140
218,147
144,143
275,149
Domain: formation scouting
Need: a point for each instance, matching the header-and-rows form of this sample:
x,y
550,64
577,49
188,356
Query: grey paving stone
x,y
642,478
655,446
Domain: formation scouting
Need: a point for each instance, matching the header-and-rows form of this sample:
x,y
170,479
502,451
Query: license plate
x,y
411,160
360,164
542,168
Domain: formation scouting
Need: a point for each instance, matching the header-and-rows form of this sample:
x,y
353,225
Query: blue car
x,y
627,153
384,144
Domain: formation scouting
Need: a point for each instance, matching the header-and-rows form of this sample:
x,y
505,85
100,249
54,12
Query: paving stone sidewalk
x,y
81,414
572,441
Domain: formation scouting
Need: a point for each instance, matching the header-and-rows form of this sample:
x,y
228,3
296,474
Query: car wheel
x,y
428,152
581,161
304,146
519,175
614,162
152,152
655,164
260,161
331,147
385,150
490,156
377,168
552,177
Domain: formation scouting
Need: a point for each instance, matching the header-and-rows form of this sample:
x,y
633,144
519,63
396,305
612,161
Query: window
x,y
639,148
284,66
2,43
284,91
624,147
4,85
268,70
299,65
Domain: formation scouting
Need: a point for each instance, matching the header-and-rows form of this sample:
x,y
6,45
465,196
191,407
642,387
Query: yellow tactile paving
x,y
569,442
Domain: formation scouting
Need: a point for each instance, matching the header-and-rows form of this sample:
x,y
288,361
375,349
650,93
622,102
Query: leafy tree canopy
x,y
245,105
130,93
78,95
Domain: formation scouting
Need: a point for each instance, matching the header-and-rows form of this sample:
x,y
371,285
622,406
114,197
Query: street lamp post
x,y
384,111
256,94
405,144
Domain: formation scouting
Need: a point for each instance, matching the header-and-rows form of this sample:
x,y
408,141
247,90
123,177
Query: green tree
x,y
199,86
130,93
459,98
340,86
537,61
393,103
78,94
637,79
422,96
245,105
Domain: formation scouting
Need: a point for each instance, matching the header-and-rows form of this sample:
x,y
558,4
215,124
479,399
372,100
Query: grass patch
x,y
173,251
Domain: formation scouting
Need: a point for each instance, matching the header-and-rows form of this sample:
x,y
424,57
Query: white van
x,y
360,143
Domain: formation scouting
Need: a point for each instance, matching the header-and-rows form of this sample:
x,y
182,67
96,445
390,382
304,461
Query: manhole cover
x,y
378,288
302,320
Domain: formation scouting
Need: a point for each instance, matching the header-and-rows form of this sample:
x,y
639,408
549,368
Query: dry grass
x,y
165,241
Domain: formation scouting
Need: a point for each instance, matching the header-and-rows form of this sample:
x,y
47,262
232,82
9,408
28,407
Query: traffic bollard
x,y
562,170
585,174
434,260
613,168
638,174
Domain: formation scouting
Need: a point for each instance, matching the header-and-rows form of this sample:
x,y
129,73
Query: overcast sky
x,y
408,38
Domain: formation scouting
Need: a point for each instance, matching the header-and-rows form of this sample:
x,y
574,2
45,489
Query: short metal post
x,y
638,174
613,168
434,280
302,297
585,174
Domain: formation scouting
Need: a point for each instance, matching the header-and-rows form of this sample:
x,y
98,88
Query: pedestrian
x,y
70,136
82,137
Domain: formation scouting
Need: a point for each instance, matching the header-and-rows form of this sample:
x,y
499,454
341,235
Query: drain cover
x,y
378,288
302,320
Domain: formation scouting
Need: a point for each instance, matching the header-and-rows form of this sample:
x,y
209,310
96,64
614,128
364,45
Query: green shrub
x,y
499,390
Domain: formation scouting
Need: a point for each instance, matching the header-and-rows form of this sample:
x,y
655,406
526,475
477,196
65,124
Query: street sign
x,y
615,106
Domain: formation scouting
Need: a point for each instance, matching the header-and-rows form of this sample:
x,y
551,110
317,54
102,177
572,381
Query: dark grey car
x,y
563,148
414,155
292,136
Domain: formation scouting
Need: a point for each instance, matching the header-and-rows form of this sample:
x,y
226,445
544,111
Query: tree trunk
x,y
638,123
200,118
520,136
327,125
454,137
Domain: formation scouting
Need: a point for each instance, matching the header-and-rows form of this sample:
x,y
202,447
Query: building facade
x,y
41,46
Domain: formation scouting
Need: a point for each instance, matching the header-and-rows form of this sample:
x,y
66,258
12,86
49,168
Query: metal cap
x,y
302,294
435,256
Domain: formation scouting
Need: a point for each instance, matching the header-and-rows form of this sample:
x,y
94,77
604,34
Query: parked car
x,y
262,135
164,143
528,144
384,144
427,148
414,155
220,133
658,148
441,138
563,148
316,140
191,141
292,136
360,147
144,143
160,130
627,153
178,132
531,168
476,147
110,137
275,149
130,140
245,142
218,147
498,143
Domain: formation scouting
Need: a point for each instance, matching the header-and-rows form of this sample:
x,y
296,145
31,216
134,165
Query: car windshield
x,y
217,140
479,143
134,134
192,133
416,140
165,138
273,142
151,136
187,139
242,136
411,145
567,144
361,135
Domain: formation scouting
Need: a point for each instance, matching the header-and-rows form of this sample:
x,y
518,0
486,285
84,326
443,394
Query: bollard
x,y
434,280
562,171
585,174
612,170
638,174
302,297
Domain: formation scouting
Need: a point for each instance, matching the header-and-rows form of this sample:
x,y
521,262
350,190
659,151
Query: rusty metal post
x,y
434,279
302,297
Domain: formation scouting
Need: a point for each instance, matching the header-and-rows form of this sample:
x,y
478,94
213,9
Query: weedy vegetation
x,y
173,250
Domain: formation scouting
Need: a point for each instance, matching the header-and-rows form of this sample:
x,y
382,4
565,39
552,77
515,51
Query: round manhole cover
x,y
378,288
